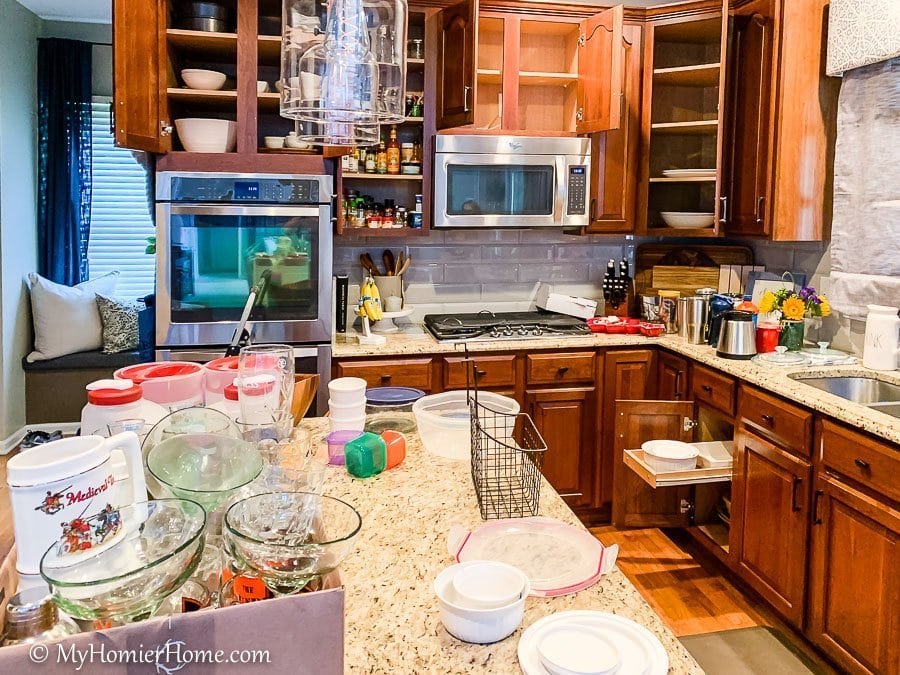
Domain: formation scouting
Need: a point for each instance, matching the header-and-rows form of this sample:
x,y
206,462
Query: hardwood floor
x,y
688,597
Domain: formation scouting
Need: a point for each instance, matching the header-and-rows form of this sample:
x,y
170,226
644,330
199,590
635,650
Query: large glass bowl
x,y
290,538
206,468
157,546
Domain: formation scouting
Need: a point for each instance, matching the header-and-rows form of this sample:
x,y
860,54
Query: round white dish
x,y
198,78
274,142
488,584
640,652
571,649
689,173
199,134
686,220
666,455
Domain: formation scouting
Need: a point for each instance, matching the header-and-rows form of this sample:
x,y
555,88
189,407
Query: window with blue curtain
x,y
121,220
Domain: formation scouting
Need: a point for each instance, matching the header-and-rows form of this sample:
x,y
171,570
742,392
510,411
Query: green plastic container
x,y
366,456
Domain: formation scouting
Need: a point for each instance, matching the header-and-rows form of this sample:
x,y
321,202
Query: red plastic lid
x,y
225,363
231,392
149,371
115,396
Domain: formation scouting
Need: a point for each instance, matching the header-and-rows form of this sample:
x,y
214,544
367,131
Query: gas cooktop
x,y
486,325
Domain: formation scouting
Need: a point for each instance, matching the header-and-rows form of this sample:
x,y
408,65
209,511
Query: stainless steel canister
x,y
681,316
695,319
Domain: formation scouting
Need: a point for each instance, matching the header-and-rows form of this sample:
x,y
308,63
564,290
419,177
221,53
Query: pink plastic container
x,y
172,384
217,375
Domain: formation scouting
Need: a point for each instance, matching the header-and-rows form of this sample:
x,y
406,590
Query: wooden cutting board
x,y
648,256
684,279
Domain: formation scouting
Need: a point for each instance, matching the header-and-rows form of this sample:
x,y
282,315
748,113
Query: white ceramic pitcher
x,y
882,346
74,478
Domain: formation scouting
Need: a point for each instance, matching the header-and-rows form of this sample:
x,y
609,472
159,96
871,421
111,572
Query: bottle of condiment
x,y
393,152
389,209
352,162
381,162
406,152
32,616
370,160
400,217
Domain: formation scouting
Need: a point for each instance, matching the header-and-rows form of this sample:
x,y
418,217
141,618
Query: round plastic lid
x,y
147,371
113,392
231,392
393,395
225,363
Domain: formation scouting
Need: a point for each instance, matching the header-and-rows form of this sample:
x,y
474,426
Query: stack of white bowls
x,y
347,403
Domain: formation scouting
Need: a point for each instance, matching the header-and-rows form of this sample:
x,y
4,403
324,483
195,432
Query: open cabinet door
x,y
636,504
456,58
601,72
139,110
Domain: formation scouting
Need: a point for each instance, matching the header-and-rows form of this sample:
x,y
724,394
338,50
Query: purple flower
x,y
806,292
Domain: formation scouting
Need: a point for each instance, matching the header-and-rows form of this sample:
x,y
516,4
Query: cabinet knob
x,y
862,464
480,373
768,419
385,379
706,388
562,370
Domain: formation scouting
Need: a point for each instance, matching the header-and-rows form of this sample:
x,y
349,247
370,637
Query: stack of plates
x,y
588,642
689,173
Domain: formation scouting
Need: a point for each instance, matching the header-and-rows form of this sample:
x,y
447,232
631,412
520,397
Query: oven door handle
x,y
242,210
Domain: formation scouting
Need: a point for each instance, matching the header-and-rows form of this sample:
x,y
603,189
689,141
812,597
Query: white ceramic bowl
x,y
197,78
199,134
274,142
686,220
262,86
479,626
665,455
577,650
488,585
347,390
347,425
292,141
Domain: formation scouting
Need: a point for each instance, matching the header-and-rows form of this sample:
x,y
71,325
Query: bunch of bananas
x,y
370,300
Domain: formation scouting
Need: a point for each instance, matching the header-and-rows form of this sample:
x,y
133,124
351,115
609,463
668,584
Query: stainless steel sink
x,y
867,391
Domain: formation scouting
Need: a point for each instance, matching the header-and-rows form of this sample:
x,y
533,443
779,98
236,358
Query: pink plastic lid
x,y
151,371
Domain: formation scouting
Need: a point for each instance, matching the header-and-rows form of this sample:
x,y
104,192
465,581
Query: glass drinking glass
x,y
266,386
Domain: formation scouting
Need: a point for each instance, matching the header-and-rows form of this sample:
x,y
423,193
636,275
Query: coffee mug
x,y
56,488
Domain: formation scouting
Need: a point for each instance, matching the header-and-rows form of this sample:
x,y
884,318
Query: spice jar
x,y
31,616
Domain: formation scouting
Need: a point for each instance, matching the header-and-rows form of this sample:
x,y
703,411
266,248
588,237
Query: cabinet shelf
x,y
205,43
380,176
704,75
702,179
490,76
686,128
269,47
676,232
384,232
415,64
202,95
543,78
634,459
270,101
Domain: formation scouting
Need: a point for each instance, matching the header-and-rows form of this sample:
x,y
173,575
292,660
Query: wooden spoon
x,y
368,264
387,258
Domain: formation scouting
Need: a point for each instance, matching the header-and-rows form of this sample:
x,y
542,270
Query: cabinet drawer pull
x,y
677,385
816,497
796,483
862,464
768,419
480,373
706,388
562,370
385,379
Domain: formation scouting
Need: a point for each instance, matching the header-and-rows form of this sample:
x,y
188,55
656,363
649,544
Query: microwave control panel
x,y
577,192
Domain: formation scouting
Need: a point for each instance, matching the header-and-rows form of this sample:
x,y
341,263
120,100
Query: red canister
x,y
767,335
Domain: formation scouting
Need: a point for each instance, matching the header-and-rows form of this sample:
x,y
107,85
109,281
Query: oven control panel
x,y
576,203
245,190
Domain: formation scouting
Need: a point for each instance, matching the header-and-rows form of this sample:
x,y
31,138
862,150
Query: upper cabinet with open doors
x,y
781,112
541,73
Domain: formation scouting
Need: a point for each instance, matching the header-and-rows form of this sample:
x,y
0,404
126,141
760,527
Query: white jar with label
x,y
118,405
882,345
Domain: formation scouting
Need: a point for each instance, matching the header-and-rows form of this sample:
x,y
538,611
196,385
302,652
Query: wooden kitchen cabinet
x,y
566,419
770,522
139,112
506,71
854,585
781,112
672,377
628,375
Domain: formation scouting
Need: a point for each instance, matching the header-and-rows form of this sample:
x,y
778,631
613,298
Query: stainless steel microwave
x,y
511,181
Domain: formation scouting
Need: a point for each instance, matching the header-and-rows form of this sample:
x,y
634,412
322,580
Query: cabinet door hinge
x,y
686,506
164,128
689,424
579,114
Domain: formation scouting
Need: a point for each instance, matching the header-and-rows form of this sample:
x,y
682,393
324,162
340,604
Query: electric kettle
x,y
737,337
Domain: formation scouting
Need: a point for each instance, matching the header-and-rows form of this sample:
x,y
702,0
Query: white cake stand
x,y
384,325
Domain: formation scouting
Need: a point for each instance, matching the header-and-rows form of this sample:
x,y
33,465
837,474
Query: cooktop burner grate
x,y
487,325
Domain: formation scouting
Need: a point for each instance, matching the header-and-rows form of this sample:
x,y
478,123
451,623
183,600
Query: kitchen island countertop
x,y
391,612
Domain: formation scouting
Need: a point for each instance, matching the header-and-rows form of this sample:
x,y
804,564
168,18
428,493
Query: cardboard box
x,y
301,634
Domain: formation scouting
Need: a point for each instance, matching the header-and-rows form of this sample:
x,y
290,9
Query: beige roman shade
x,y
862,32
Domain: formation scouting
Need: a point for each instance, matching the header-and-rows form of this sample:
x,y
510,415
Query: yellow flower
x,y
793,308
824,306
767,302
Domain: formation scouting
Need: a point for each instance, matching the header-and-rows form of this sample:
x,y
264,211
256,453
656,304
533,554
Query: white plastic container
x,y
217,375
444,424
664,455
347,390
488,584
349,424
111,401
173,384
229,405
349,411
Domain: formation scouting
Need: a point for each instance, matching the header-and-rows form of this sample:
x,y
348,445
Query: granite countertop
x,y
391,611
776,380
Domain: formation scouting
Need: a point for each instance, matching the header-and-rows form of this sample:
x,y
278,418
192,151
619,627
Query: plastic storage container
x,y
663,456
111,401
230,405
336,441
174,385
391,399
444,420
366,456
217,375
396,447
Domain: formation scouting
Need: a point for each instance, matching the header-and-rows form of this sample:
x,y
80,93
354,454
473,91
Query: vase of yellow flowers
x,y
794,307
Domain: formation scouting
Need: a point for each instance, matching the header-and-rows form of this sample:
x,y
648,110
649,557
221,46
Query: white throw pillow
x,y
66,318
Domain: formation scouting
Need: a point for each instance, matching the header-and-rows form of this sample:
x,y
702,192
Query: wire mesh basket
x,y
507,453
